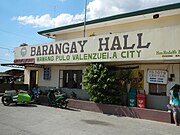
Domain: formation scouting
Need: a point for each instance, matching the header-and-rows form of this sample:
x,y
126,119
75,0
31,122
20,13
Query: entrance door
x,y
33,78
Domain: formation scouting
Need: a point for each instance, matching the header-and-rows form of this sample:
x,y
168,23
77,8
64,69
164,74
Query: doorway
x,y
33,78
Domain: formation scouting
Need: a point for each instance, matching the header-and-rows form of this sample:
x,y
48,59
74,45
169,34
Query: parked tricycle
x,y
18,96
58,99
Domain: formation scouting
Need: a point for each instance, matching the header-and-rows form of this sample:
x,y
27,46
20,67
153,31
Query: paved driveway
x,y
43,120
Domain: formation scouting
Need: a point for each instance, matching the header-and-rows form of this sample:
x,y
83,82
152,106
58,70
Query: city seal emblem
x,y
23,51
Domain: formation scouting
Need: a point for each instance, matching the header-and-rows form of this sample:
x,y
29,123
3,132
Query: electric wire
x,y
9,51
6,46
19,35
5,60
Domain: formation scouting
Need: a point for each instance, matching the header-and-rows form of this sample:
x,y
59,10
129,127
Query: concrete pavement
x,y
43,120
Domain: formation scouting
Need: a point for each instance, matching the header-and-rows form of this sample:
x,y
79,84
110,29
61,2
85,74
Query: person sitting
x,y
33,91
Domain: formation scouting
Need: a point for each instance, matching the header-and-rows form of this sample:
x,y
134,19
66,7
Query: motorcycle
x,y
58,100
18,96
34,93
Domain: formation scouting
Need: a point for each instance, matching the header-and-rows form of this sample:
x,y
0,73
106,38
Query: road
x,y
44,120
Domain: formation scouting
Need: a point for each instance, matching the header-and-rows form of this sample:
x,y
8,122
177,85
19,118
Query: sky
x,y
22,19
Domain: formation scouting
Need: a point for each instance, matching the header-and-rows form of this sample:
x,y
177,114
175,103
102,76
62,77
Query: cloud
x,y
95,9
35,21
102,8
47,21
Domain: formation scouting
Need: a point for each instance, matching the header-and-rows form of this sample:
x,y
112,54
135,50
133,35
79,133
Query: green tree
x,y
104,84
98,81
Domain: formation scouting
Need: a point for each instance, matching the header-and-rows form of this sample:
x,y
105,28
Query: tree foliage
x,y
103,84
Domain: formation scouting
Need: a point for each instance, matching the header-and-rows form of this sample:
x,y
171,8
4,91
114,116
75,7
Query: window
x,y
70,78
157,89
47,73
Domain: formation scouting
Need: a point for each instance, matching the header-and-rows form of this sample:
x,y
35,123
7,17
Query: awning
x,y
22,63
13,65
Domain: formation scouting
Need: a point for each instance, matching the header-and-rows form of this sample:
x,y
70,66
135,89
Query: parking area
x,y
44,120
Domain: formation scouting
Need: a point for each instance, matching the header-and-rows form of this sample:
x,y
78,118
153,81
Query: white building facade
x,y
147,40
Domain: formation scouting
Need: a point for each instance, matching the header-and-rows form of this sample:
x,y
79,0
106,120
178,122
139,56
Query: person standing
x,y
175,93
12,83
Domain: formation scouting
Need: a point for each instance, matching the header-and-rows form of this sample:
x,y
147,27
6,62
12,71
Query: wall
x,y
154,101
54,81
133,26
157,102
171,68
141,113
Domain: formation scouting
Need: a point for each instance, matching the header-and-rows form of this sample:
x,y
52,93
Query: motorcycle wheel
x,y
6,100
64,104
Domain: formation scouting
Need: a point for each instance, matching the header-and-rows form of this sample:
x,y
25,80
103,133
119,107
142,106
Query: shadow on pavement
x,y
23,105
72,109
97,122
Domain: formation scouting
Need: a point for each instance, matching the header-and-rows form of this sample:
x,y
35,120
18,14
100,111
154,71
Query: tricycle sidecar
x,y
13,96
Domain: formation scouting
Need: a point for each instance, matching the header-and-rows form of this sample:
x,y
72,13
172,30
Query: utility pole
x,y
85,10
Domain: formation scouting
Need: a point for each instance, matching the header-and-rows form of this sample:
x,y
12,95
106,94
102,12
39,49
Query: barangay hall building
x,y
147,41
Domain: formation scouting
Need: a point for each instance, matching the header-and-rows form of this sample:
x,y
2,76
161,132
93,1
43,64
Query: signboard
x,y
157,76
131,46
23,61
